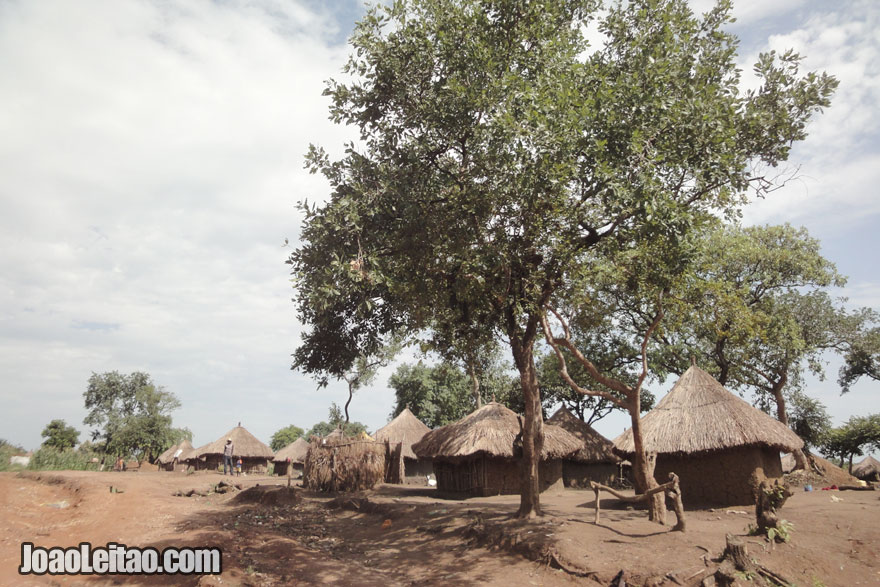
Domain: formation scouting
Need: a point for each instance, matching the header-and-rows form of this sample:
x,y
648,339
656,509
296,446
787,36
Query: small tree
x,y
336,421
59,435
285,436
850,440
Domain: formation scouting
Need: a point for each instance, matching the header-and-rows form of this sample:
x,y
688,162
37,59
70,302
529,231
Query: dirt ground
x,y
404,535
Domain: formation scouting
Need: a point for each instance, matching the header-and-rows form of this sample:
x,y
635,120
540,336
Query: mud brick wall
x,y
577,474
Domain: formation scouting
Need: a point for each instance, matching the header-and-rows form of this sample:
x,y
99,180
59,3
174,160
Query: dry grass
x,y
295,451
344,465
405,429
595,448
700,415
492,430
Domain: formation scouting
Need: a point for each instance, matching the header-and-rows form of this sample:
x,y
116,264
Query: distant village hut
x,y
479,456
595,461
868,469
338,463
720,446
255,455
292,456
175,457
403,465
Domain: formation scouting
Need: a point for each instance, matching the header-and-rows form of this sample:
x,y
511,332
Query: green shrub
x,y
51,459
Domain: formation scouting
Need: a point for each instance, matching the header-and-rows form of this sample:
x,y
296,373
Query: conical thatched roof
x,y
699,415
491,430
246,445
180,451
295,451
595,448
869,467
405,429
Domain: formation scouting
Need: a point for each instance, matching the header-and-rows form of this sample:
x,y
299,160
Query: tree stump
x,y
768,501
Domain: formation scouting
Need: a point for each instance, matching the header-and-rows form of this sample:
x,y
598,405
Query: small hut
x,y
720,446
174,456
868,469
339,463
293,455
595,461
255,455
400,434
478,455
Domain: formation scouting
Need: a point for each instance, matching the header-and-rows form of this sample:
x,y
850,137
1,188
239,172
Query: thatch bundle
x,y
868,469
405,429
698,415
595,448
492,430
341,464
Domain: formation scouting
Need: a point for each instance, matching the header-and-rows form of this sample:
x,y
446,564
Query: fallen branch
x,y
671,489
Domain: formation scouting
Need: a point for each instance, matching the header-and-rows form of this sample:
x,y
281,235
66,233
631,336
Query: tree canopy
x,y
497,149
59,435
132,414
285,436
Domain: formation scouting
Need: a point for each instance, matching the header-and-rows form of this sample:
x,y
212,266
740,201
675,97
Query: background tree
x,y
862,358
285,436
59,435
808,418
335,421
443,393
497,150
858,434
134,415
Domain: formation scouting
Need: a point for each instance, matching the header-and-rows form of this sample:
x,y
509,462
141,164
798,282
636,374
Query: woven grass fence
x,y
351,465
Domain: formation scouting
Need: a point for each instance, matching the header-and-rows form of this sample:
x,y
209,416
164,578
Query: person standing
x,y
228,452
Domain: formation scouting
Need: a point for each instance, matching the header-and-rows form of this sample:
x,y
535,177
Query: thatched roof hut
x,y
293,455
868,469
479,455
178,453
720,446
595,461
255,455
401,433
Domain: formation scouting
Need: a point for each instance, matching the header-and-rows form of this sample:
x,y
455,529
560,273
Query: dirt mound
x,y
268,495
831,474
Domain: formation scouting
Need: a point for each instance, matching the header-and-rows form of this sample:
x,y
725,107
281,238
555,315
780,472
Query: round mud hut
x,y
175,457
403,465
595,461
255,455
867,470
720,446
479,456
292,457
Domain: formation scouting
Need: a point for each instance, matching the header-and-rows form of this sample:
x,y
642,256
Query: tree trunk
x,y
643,466
475,387
800,459
532,429
350,395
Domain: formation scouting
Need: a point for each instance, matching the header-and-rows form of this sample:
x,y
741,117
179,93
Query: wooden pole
x,y
672,489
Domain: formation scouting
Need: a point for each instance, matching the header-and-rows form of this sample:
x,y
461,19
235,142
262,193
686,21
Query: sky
x,y
151,161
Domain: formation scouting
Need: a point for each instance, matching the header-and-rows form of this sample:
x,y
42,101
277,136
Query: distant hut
x,y
255,455
595,461
868,469
293,455
478,454
720,446
400,434
174,456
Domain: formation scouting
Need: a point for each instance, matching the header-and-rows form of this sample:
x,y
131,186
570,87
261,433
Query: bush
x,y
9,450
51,459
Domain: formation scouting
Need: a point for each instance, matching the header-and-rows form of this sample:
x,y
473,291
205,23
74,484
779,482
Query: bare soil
x,y
405,535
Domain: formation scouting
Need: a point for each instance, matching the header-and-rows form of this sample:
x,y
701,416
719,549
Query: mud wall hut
x,y
595,461
404,430
255,455
175,458
720,446
478,455
292,456
867,470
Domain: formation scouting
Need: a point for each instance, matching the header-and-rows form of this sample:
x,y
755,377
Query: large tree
x,y
133,415
497,149
59,435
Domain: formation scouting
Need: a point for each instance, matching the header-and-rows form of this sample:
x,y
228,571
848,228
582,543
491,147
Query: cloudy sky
x,y
151,157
